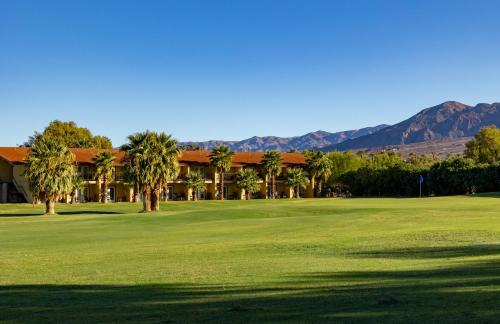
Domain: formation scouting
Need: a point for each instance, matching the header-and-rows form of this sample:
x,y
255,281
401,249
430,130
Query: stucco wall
x,y
21,181
5,171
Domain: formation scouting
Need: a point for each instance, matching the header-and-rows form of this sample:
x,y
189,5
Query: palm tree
x,y
320,168
248,179
151,160
132,162
271,164
221,158
104,172
77,184
49,171
136,157
296,179
196,182
163,164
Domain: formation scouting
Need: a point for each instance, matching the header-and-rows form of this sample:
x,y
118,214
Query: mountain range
x,y
316,139
445,122
446,125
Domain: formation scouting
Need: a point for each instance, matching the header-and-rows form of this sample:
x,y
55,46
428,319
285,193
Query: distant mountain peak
x,y
449,120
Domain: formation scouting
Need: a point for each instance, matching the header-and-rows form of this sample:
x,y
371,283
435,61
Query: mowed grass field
x,y
309,260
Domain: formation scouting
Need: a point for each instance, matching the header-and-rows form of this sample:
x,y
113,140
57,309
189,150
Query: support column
x,y
130,194
188,192
242,194
263,188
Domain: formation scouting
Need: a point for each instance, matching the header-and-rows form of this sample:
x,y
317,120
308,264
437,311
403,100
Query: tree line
x,y
389,174
151,161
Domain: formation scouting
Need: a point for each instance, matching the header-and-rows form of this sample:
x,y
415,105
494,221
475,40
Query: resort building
x,y
14,188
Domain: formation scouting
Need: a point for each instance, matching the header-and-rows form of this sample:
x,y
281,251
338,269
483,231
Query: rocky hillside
x,y
312,140
447,121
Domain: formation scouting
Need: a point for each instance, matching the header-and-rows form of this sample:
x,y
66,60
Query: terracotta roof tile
x,y
18,154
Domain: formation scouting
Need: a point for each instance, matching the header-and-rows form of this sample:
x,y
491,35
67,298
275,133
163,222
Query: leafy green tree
x,y
320,168
50,171
343,162
196,182
221,158
104,172
485,147
271,164
248,179
70,135
101,142
422,160
296,179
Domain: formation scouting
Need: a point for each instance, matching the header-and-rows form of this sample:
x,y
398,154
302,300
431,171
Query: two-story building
x,y
14,188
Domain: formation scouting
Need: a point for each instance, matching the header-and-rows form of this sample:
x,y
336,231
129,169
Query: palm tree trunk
x,y
297,193
147,199
50,207
195,196
105,190
156,199
222,186
273,187
320,183
249,195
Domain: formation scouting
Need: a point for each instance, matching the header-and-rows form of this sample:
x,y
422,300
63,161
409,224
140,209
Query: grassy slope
x,y
435,259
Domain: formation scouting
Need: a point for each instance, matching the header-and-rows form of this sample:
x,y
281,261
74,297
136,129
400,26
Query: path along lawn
x,y
309,260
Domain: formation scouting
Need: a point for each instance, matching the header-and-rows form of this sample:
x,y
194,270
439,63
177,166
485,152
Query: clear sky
x,y
233,69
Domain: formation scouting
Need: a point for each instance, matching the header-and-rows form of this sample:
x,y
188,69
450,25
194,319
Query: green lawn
x,y
310,260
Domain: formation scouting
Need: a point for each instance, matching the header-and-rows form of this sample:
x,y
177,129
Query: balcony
x,y
87,176
230,176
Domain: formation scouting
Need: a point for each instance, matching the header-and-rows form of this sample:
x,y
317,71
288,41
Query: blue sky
x,y
233,69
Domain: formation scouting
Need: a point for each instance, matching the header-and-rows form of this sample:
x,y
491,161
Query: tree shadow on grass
x,y
63,213
465,293
89,212
433,252
20,214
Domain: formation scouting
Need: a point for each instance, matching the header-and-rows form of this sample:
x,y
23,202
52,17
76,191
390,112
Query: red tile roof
x,y
18,154
240,158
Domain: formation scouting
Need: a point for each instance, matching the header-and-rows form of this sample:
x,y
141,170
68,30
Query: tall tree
x,y
163,164
485,147
132,163
70,135
248,179
320,168
196,182
50,171
104,172
221,158
296,179
271,164
151,158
